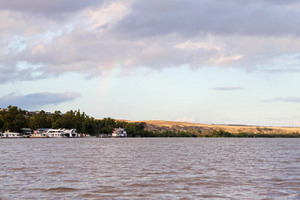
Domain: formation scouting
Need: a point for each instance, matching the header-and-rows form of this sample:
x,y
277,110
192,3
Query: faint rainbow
x,y
109,79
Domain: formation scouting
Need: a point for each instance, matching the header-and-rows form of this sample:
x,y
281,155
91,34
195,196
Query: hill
x,y
159,125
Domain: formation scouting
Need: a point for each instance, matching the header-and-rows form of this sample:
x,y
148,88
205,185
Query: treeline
x,y
217,133
14,119
222,133
146,133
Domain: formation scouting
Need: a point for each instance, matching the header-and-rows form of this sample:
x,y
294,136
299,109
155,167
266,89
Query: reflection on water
x,y
150,168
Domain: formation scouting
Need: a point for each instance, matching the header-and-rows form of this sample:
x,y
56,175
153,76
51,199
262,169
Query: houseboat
x,y
10,135
61,133
38,135
119,132
26,132
70,133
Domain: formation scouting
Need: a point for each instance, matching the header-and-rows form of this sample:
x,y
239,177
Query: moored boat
x,y
10,135
119,132
38,135
61,133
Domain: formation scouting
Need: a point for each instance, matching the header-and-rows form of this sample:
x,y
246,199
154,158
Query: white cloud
x,y
95,18
225,59
188,45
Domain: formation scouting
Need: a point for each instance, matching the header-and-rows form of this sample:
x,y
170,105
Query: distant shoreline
x,y
161,125
14,119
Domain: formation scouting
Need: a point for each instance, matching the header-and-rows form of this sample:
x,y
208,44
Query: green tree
x,y
40,120
89,126
14,119
1,122
56,119
135,129
68,120
221,133
121,124
79,120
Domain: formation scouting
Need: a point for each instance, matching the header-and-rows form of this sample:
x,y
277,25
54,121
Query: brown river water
x,y
150,168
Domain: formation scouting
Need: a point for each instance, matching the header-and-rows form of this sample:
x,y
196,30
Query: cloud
x,y
228,88
92,36
48,8
294,69
193,17
37,99
282,99
19,72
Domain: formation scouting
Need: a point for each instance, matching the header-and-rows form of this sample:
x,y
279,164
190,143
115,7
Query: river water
x,y
150,168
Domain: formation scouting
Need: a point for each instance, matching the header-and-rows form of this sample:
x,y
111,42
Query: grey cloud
x,y
274,2
284,70
228,88
37,99
49,8
193,17
243,34
11,73
282,99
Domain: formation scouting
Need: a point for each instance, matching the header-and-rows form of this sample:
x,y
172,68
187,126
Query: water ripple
x,y
150,168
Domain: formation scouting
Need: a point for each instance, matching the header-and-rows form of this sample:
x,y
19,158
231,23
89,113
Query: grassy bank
x,y
215,133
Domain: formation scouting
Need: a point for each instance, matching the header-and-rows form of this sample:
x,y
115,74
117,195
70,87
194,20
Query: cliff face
x,y
157,125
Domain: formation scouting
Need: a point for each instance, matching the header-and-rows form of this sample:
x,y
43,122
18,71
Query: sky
x,y
203,61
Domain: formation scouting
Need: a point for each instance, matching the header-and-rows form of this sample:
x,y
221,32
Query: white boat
x,y
70,133
10,135
38,135
119,132
61,133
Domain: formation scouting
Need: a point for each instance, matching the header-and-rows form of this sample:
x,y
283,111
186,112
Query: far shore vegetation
x,y
13,119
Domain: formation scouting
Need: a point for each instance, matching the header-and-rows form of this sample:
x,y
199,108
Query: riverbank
x,y
176,129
